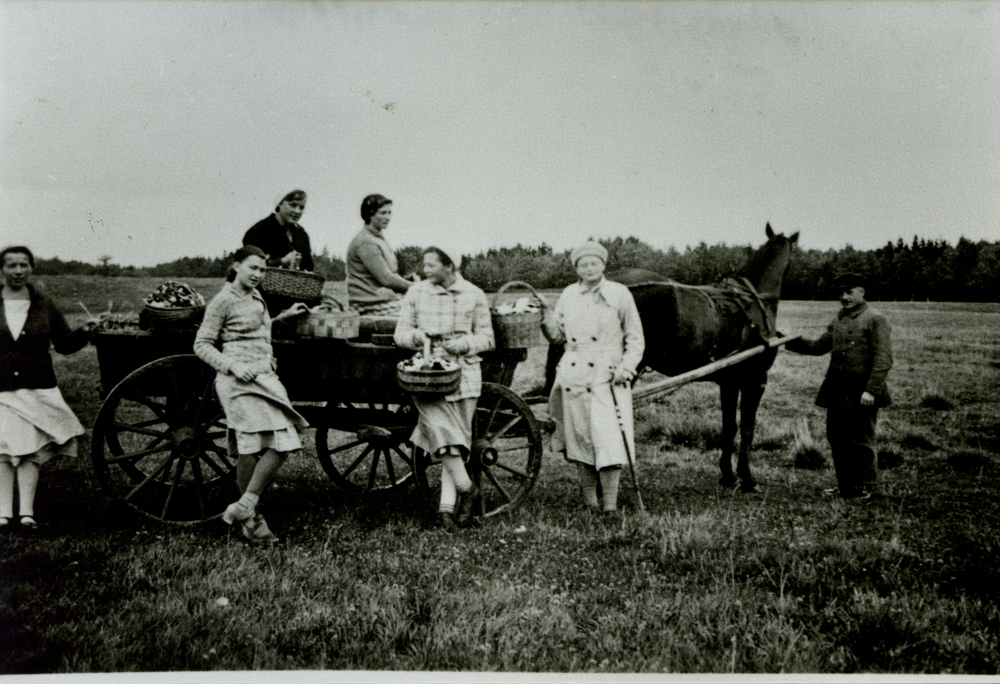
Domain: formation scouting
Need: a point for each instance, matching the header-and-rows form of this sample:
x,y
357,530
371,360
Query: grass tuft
x,y
810,458
936,402
917,441
972,462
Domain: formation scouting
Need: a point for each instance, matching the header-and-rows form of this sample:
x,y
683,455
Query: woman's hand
x,y
419,338
296,309
621,376
91,325
242,371
456,345
291,260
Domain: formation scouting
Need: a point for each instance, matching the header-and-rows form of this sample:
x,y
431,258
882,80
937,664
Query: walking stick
x,y
628,452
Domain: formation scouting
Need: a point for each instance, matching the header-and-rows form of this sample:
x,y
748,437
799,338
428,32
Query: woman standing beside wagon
x,y
36,424
260,416
599,323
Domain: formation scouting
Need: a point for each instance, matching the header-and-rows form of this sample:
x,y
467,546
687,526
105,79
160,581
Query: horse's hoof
x,y
750,488
727,482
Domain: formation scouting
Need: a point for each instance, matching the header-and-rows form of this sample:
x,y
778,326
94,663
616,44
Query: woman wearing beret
x,y
374,286
36,424
599,323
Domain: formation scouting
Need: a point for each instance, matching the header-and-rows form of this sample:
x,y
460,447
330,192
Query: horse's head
x,y
768,265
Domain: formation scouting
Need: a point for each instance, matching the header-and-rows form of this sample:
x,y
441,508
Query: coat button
x,y
16,373
594,339
573,363
591,365
573,340
588,389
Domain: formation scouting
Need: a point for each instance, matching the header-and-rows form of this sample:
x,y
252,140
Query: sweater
x,y
25,363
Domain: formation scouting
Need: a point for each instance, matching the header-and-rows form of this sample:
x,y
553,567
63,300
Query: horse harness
x,y
739,296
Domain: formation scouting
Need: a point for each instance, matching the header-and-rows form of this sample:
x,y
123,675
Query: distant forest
x,y
920,270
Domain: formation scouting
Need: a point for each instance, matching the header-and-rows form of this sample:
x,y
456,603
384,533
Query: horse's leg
x,y
750,396
729,393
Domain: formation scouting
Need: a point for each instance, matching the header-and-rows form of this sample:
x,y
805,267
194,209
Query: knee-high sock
x,y
454,480
448,493
588,483
27,483
7,477
609,486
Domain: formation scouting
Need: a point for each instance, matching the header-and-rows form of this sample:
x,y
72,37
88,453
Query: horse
x,y
688,326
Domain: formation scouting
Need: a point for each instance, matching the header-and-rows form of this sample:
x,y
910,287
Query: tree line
x,y
917,270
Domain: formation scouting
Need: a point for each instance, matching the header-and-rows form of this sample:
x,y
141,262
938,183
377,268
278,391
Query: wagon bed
x,y
161,442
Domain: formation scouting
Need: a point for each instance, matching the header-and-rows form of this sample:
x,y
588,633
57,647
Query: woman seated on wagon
x,y
262,422
454,315
285,242
374,286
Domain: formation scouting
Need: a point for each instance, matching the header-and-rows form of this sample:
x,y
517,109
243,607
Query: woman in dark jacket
x,y
36,424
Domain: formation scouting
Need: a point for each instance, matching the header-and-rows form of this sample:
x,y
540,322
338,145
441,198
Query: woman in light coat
x,y
599,323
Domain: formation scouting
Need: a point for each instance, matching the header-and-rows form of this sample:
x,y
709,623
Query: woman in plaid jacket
x,y
455,316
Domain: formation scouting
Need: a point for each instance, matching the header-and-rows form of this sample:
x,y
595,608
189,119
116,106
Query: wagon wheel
x,y
506,452
159,442
365,447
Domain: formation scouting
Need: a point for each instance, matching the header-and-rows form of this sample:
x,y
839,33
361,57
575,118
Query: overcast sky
x,y
150,131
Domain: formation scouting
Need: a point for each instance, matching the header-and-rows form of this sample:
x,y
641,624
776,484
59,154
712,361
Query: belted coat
x,y
602,332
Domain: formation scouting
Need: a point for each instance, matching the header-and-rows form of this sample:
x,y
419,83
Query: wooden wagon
x,y
160,441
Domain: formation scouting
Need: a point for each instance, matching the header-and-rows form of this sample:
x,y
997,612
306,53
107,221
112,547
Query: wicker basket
x,y
519,330
179,317
326,322
428,382
299,285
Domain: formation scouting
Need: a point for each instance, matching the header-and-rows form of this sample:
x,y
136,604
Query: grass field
x,y
711,580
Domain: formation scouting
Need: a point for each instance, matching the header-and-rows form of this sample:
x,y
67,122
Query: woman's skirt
x,y
259,414
36,425
444,423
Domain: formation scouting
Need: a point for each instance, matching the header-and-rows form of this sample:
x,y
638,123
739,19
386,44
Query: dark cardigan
x,y
25,363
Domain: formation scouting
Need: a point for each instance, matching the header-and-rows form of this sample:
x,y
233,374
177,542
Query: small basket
x,y
431,383
173,316
519,330
299,285
323,321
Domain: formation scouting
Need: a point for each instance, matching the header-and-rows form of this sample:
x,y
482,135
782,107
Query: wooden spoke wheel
x,y
506,453
159,442
365,447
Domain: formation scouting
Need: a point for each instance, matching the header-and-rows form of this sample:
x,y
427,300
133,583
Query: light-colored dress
x,y
258,412
602,331
446,313
36,424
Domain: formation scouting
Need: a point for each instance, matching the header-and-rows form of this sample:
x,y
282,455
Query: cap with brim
x,y
589,249
847,281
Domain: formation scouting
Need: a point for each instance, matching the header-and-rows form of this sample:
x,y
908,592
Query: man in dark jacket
x,y
854,389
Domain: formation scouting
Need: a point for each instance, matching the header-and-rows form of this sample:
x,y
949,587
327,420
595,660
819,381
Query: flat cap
x,y
847,281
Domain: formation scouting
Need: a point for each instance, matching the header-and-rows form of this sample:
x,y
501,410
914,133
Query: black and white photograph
x,y
496,340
